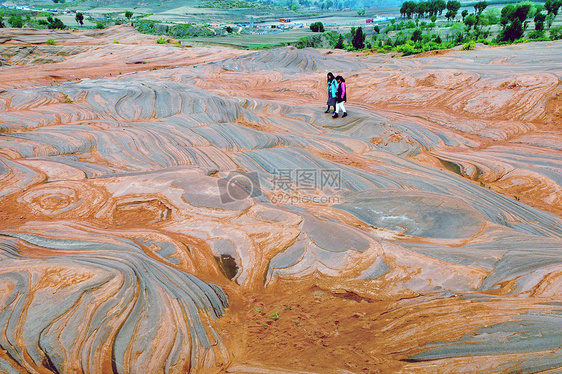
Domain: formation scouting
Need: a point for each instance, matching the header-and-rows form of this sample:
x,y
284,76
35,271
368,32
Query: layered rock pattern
x,y
121,229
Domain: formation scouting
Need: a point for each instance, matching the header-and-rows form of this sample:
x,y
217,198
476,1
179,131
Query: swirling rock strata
x,y
122,233
119,311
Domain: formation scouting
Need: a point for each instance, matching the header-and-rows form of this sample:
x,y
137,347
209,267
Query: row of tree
x,y
436,7
409,8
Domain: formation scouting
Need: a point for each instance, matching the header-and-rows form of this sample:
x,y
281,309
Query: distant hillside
x,y
302,4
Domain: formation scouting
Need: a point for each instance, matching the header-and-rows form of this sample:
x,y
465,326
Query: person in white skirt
x,y
341,97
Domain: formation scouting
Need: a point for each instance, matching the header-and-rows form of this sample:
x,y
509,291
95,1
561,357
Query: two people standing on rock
x,y
336,95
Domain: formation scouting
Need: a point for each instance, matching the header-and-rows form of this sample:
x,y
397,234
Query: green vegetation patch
x,y
230,4
178,31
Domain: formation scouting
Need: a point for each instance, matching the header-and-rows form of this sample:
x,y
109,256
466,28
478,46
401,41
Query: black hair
x,y
340,78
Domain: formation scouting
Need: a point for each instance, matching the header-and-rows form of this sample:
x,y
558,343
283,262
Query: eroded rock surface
x,y
434,208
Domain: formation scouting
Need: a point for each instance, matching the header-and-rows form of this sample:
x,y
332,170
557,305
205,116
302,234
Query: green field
x,y
252,41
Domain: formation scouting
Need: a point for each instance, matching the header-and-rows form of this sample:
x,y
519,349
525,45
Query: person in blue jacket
x,y
332,89
341,97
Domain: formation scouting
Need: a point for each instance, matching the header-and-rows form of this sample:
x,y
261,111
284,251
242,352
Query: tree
x,y
361,12
513,20
549,6
491,16
358,38
432,8
522,11
450,15
421,9
470,21
55,24
455,32
441,5
416,35
453,7
480,6
539,21
539,8
556,33
552,6
79,18
507,14
464,13
339,43
408,8
377,29
513,31
433,18
317,27
128,14
16,21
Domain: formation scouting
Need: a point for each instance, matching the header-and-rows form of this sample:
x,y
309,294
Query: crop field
x,y
254,40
